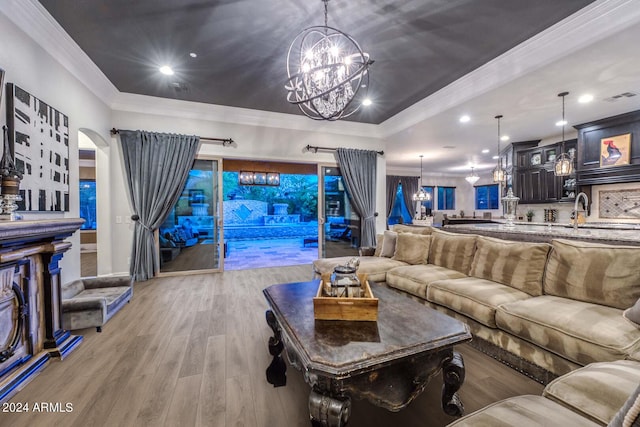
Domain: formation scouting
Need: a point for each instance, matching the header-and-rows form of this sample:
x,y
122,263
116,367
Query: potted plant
x,y
530,215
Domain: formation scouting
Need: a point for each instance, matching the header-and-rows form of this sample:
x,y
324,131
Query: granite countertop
x,y
594,231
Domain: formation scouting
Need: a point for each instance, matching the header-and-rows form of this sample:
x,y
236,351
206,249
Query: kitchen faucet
x,y
575,208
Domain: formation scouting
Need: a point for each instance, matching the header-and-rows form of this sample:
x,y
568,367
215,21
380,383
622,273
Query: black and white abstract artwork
x,y
40,139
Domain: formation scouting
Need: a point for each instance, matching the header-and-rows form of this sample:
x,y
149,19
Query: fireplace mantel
x,y
31,330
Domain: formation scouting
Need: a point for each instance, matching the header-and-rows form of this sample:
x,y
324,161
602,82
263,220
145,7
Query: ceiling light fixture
x,y
585,98
421,195
366,102
464,119
166,70
326,70
485,151
473,177
499,174
504,138
193,55
563,165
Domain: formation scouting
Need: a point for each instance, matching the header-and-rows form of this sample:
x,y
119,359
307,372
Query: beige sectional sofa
x,y
553,306
600,394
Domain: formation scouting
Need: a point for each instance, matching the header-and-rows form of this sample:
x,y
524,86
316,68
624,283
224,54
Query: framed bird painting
x,y
615,150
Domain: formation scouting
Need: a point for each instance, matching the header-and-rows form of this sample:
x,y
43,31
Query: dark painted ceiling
x,y
419,46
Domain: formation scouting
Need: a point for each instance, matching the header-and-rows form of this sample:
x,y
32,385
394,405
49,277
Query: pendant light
x,y
473,178
563,166
421,195
499,174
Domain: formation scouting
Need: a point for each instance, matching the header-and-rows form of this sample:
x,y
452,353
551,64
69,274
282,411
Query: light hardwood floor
x,y
192,351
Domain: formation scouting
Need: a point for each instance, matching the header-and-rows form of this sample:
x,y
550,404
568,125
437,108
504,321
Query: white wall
x,y
29,66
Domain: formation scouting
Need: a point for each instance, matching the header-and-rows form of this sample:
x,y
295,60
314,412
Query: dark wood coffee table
x,y
388,362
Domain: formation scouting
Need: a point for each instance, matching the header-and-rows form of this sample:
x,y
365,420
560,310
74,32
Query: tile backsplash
x,y
619,204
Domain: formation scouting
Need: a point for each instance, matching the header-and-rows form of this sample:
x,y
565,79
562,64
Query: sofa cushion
x,y
523,411
401,228
596,391
475,298
412,248
113,296
389,244
379,240
516,264
579,331
374,267
453,251
591,272
414,279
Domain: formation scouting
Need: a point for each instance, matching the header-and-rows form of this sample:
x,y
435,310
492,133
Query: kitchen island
x,y
607,233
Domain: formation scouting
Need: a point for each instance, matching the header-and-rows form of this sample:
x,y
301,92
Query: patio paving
x,y
260,253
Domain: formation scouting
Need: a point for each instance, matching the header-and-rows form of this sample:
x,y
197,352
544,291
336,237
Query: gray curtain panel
x,y
359,173
157,166
410,187
392,189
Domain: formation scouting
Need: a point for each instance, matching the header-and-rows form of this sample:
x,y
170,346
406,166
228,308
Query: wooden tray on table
x,y
339,308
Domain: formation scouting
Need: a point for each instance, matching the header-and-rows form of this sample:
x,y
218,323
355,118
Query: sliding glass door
x,y
190,238
339,223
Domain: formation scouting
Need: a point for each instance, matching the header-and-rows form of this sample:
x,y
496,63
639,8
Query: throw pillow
x,y
633,314
629,414
379,240
389,244
412,248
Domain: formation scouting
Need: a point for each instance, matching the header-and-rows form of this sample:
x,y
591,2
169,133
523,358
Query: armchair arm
x,y
106,282
84,304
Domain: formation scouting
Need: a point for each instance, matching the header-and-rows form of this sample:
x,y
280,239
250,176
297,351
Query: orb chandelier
x,y
563,166
473,177
499,174
421,195
328,72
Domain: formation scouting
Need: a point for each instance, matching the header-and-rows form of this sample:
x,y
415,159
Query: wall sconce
x,y
259,178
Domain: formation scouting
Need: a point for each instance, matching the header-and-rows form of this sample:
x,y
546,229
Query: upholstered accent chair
x,y
91,302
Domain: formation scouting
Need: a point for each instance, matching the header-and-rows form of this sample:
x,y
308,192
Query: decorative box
x,y
340,308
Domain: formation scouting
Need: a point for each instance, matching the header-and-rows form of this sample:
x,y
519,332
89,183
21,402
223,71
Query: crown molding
x,y
32,18
134,103
594,22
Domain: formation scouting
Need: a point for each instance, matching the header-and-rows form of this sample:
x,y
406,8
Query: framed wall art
x,y
39,136
615,150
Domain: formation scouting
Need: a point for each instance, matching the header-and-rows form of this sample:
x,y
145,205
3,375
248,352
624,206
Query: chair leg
x,y
99,328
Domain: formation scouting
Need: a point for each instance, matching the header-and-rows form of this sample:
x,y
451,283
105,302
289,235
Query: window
x,y
428,204
88,204
487,196
400,209
446,198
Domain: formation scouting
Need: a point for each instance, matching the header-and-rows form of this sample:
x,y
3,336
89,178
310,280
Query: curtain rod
x,y
226,142
315,149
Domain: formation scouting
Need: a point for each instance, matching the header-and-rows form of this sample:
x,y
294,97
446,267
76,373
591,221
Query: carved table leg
x,y
327,411
453,377
276,372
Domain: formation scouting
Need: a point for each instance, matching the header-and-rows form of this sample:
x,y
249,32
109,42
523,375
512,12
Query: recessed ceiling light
x,y
464,119
587,97
485,151
366,102
166,70
504,138
561,122
193,55
495,157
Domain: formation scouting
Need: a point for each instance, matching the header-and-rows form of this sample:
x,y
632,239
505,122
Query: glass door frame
x,y
322,209
217,225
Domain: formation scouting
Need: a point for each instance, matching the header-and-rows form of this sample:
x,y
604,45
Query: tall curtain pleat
x,y
410,186
392,190
359,173
157,166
